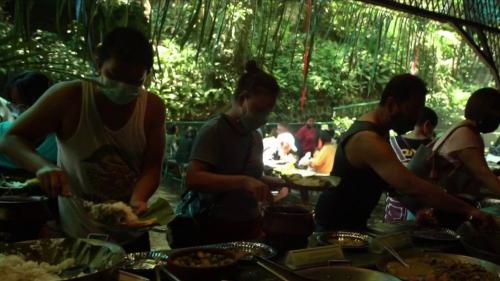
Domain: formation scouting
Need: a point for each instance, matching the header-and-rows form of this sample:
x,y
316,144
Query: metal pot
x,y
21,218
288,220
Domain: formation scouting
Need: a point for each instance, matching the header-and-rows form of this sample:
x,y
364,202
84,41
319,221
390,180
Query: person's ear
x,y
392,105
98,58
241,99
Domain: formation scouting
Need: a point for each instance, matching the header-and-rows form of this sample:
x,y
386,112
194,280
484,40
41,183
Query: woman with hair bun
x,y
225,177
464,148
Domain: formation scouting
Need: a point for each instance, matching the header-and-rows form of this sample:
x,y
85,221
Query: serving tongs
x,y
279,271
396,255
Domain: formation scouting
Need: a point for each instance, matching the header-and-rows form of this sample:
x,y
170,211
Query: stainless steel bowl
x,y
247,250
144,260
342,238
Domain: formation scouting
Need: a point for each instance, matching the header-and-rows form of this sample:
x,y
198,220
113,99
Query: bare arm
x,y
474,161
201,178
44,117
371,150
149,178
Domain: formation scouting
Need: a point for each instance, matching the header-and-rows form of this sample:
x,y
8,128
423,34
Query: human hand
x,y
273,182
54,181
425,217
259,189
483,221
138,206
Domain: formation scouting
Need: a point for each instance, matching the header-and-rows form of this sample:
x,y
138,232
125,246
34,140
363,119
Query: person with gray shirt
x,y
226,168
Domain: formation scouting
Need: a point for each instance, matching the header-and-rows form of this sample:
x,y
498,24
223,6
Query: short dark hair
x,y
427,114
325,136
401,87
255,78
482,103
128,45
171,129
30,86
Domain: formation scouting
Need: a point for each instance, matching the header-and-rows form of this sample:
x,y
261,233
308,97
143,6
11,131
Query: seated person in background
x,y
269,143
171,141
111,139
24,90
283,153
307,137
185,146
322,162
465,147
286,150
6,113
225,173
405,147
367,165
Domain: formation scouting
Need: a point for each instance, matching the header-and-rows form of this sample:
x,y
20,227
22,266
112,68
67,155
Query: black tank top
x,y
349,205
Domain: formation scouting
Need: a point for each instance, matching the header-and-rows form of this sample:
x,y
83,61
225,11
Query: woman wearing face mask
x,y
226,169
465,147
110,134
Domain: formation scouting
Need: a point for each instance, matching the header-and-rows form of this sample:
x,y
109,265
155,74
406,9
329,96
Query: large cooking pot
x,y
21,218
292,220
101,257
287,227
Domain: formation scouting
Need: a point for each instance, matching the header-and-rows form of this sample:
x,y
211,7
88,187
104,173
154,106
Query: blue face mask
x,y
118,92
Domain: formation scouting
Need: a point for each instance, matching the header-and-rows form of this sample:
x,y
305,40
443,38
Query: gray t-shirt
x,y
230,151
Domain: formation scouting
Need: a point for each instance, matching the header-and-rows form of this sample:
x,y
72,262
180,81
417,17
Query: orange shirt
x,y
323,159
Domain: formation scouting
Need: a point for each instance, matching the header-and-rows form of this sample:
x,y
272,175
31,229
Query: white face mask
x,y
118,92
252,120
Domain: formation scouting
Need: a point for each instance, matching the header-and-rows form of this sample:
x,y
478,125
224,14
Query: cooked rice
x,y
16,268
112,213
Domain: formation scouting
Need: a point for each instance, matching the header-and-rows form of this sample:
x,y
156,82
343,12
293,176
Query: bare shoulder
x,y
155,110
155,103
366,139
366,147
65,92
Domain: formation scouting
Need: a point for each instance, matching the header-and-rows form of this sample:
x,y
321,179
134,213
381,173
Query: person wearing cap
x,y
286,148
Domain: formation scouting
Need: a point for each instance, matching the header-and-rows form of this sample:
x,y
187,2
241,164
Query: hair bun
x,y
251,66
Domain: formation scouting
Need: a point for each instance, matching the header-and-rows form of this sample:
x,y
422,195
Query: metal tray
x,y
340,236
489,266
144,260
439,234
247,249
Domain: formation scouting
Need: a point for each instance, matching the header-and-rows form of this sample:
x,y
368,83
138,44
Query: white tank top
x,y
102,164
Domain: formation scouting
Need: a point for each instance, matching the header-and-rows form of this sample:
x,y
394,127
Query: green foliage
x,y
202,46
183,83
44,52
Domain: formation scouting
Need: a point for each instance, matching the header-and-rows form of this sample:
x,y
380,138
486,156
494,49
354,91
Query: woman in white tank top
x,y
110,134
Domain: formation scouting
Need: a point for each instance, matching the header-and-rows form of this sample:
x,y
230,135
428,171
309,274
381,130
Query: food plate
x,y
144,260
347,240
310,182
438,234
439,266
245,250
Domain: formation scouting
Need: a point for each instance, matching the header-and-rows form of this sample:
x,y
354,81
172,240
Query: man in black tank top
x,y
367,165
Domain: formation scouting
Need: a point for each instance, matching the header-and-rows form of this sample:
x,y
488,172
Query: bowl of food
x,y
346,240
202,264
